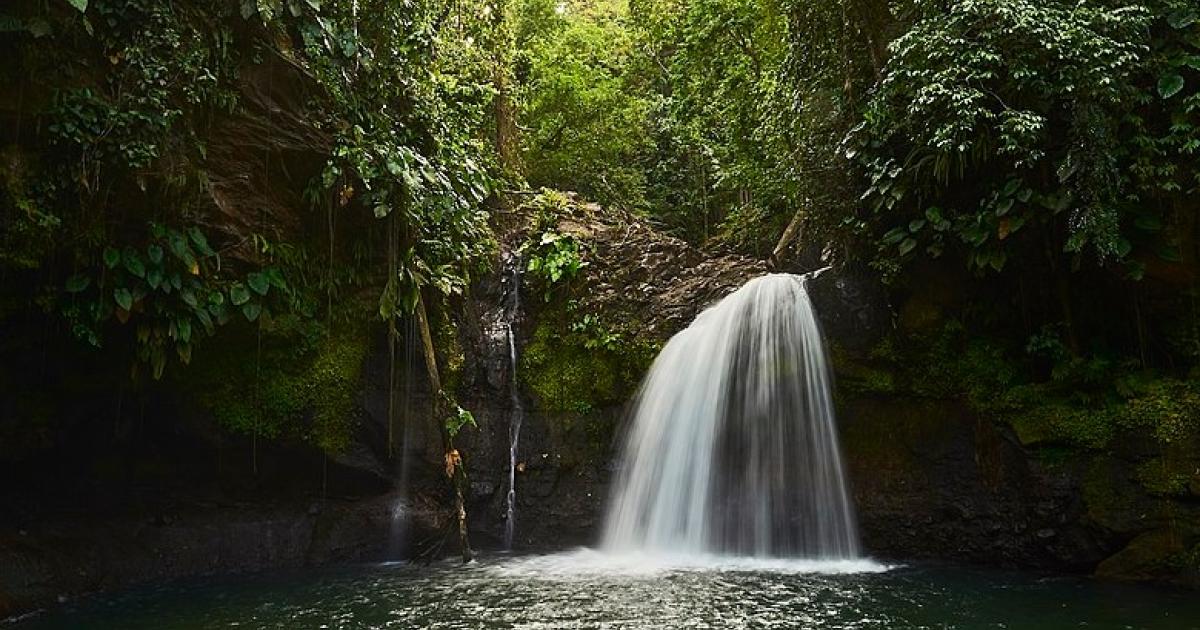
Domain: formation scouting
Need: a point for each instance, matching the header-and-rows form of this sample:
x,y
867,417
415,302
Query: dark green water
x,y
586,590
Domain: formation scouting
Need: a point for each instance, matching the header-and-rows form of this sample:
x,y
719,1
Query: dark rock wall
x,y
932,479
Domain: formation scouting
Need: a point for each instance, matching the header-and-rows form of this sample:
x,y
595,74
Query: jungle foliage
x,y
174,169
259,170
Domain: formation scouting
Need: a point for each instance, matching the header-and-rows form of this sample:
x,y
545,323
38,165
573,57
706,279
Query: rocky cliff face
x,y
933,478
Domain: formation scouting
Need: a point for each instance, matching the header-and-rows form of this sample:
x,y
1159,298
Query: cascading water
x,y
517,414
398,531
733,447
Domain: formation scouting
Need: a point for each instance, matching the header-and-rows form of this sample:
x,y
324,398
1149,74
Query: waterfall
x,y
517,413
733,447
398,529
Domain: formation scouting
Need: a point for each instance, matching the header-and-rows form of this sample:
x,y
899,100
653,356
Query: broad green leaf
x,y
78,282
179,248
251,310
907,246
112,257
123,298
238,294
1182,19
1170,85
201,243
259,282
205,320
275,277
80,5
133,263
895,235
154,253
154,277
997,259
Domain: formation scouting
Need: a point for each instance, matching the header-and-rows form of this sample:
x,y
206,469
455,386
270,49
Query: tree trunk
x,y
785,239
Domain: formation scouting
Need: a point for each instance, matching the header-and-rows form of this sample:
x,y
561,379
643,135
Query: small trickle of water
x,y
517,414
398,529
733,447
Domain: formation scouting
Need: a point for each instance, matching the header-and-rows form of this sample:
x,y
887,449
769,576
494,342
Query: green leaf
x,y
179,247
112,257
133,263
189,297
205,320
155,253
276,278
238,294
123,298
915,225
460,419
907,246
201,243
251,310
154,277
183,330
895,235
77,283
1169,85
1124,247
1182,19
258,282
997,259
80,5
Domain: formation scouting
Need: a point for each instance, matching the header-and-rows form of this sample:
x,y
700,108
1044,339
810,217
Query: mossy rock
x,y
296,388
579,368
889,443
1117,500
858,377
1154,555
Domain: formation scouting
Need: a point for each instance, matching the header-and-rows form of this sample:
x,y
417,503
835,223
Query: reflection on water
x,y
585,589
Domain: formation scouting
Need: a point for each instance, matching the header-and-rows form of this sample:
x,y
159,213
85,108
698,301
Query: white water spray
x,y
733,448
517,413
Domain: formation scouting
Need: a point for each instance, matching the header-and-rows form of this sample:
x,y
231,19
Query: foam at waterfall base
x,y
586,562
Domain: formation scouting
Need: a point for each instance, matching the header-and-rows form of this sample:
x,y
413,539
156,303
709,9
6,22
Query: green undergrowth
x,y
1053,399
292,383
575,362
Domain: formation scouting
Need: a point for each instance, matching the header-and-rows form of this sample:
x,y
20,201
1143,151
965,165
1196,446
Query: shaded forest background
x,y
221,202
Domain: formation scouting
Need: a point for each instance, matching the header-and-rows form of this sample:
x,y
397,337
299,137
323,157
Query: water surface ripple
x,y
586,589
